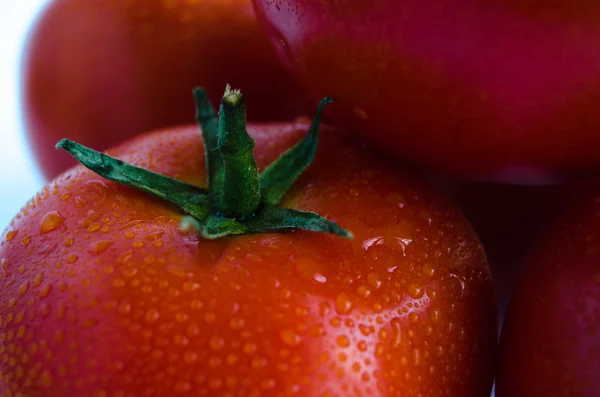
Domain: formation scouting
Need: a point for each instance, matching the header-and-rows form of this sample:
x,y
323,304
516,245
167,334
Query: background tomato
x,y
103,293
488,90
550,343
100,71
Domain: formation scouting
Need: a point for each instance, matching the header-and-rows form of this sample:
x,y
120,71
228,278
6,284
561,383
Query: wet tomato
x,y
100,72
494,90
550,343
105,293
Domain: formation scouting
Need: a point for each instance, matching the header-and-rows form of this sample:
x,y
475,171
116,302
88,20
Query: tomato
x,y
487,90
100,72
104,294
550,343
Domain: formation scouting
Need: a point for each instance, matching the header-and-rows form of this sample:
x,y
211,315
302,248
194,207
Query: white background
x,y
19,180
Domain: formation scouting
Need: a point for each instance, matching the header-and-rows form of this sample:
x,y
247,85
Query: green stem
x,y
246,203
240,196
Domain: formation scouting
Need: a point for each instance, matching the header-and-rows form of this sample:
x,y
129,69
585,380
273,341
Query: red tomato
x,y
488,90
550,343
102,71
105,296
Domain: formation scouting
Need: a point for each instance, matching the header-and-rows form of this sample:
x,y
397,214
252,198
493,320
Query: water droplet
x,y
190,357
366,330
4,267
155,235
360,113
151,315
182,386
99,247
191,286
343,341
51,221
374,280
45,290
119,282
324,309
130,272
72,258
12,234
69,241
94,227
124,307
429,269
415,291
434,314
289,337
45,378
249,348
210,317
343,305
24,288
413,317
236,323
364,291
396,332
25,241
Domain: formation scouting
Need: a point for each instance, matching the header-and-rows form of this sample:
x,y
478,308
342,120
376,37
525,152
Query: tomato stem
x,y
237,199
239,196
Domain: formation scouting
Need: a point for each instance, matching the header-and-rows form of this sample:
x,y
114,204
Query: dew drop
x,y
343,305
151,315
415,291
236,323
289,337
434,314
12,234
374,280
99,247
190,357
343,341
413,317
429,269
396,332
364,291
24,288
51,221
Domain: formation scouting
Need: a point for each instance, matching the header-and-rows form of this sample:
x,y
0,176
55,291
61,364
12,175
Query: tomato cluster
x,y
371,255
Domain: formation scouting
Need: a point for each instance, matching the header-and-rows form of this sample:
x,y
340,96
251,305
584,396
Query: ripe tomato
x,y
488,90
102,71
105,295
550,343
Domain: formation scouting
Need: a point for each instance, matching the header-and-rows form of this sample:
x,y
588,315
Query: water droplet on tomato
x,y
343,305
12,234
343,341
98,247
374,280
415,291
396,332
51,221
289,337
24,288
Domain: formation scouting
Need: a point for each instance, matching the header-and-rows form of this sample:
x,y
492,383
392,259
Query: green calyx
x,y
237,199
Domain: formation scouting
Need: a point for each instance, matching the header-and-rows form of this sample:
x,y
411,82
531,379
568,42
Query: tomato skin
x,y
501,91
100,72
550,342
112,298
